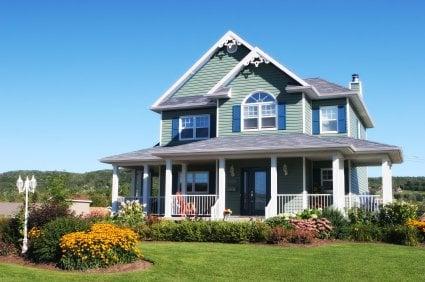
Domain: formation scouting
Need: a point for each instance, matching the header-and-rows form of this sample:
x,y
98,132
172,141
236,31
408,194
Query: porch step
x,y
244,218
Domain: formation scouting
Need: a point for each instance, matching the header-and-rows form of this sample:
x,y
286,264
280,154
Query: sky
x,y
77,78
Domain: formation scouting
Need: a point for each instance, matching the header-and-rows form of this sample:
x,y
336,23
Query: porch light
x,y
232,171
27,186
285,169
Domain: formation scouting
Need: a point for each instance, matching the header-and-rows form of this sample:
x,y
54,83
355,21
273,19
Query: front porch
x,y
253,185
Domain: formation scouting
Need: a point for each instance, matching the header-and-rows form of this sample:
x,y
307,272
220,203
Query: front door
x,y
254,192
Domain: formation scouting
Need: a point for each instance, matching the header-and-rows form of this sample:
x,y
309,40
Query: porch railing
x,y
365,202
191,205
155,204
289,203
319,201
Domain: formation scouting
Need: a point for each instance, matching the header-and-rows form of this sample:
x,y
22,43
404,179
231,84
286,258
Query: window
x,y
194,127
196,181
329,119
326,175
259,112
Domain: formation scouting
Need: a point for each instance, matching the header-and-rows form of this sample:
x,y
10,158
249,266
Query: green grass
x,y
207,261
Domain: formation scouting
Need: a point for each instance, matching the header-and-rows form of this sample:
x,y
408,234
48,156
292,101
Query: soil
x,y
128,267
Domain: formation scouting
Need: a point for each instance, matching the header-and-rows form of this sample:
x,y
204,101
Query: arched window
x,y
259,111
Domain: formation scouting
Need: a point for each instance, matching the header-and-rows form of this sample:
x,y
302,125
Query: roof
x,y
266,144
197,101
325,87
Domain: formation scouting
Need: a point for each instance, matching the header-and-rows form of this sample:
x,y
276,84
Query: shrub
x,y
163,231
365,232
101,246
44,242
401,234
7,248
131,214
397,213
361,216
310,213
279,235
281,220
420,225
49,211
340,224
11,230
320,228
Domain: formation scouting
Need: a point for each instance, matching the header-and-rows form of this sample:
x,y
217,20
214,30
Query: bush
x,y
365,232
101,246
131,214
11,232
6,248
281,220
44,242
320,228
401,234
341,227
309,214
397,213
361,216
49,211
279,235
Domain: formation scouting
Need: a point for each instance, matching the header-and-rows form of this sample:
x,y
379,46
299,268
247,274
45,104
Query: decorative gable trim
x,y
255,57
226,40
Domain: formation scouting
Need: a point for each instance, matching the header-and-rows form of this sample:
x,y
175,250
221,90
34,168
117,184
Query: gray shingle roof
x,y
187,102
326,87
267,143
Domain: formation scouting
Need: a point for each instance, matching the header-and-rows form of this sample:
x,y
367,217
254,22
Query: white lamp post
x,y
27,186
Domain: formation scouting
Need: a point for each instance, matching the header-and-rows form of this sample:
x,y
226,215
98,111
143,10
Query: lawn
x,y
208,261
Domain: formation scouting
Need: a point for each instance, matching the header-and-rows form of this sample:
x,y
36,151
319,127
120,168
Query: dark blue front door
x,y
254,191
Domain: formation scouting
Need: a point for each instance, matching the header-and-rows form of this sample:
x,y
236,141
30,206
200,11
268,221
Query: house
x,y
241,131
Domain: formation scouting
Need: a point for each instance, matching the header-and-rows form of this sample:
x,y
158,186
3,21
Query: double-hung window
x,y
259,112
329,119
196,181
326,176
194,127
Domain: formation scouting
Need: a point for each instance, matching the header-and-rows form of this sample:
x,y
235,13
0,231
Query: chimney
x,y
356,85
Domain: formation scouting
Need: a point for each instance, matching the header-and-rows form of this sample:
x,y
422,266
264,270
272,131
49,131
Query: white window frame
x,y
322,119
359,130
194,127
193,183
260,112
321,175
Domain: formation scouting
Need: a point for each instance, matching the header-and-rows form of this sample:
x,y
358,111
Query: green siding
x,y
359,180
208,75
353,125
265,78
331,102
293,182
308,116
167,118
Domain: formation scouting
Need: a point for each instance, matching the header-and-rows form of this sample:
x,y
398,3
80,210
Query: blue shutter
x,y
236,118
342,120
281,116
316,120
175,129
212,126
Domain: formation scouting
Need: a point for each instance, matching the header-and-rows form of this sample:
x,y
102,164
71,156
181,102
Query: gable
x,y
208,75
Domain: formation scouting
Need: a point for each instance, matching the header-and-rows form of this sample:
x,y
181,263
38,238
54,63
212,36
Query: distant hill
x,y
95,185
404,182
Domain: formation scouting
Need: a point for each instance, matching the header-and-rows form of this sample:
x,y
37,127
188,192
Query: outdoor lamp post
x,y
27,186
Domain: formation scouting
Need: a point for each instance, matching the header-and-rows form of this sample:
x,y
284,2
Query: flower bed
x,y
103,245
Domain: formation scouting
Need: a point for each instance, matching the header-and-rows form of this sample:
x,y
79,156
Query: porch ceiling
x,y
256,146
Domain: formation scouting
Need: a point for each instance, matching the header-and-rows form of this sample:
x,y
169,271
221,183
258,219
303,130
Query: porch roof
x,y
263,144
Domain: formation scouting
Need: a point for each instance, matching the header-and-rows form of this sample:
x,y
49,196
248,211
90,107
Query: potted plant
x,y
227,212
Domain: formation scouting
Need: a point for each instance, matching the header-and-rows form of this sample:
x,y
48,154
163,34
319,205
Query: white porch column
x,y
145,184
221,187
168,187
387,181
338,182
114,193
272,210
183,179
305,195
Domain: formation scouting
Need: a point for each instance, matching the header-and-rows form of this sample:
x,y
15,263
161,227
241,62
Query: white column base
x,y
387,182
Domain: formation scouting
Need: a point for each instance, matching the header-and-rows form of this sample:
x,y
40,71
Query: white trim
x,y
304,115
259,118
160,131
199,64
257,52
321,119
217,116
321,175
359,129
348,121
194,127
168,187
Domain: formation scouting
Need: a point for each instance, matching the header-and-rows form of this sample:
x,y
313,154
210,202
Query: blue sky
x,y
77,77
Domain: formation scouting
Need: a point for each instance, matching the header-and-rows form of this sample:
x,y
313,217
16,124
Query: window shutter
x,y
316,120
342,120
236,118
281,112
213,128
175,129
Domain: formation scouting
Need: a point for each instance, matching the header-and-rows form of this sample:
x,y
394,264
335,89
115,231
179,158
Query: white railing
x,y
319,201
365,202
192,205
289,203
